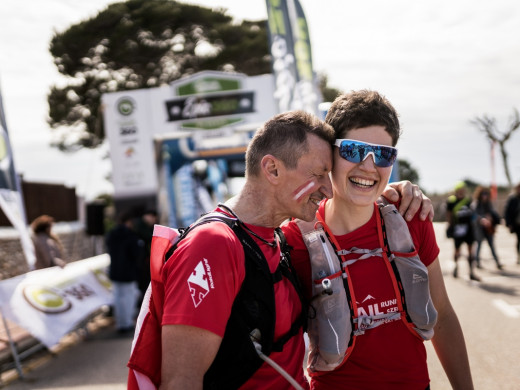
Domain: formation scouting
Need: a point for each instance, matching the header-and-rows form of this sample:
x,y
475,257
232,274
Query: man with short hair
x,y
287,174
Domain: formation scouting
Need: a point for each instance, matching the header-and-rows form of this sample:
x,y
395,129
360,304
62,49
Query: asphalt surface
x,y
489,312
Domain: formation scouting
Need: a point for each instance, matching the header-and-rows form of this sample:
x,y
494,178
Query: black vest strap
x,y
253,309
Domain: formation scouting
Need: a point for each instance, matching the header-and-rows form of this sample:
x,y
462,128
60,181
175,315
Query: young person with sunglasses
x,y
391,355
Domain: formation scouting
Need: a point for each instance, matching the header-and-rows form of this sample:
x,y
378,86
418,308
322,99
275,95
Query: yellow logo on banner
x,y
103,279
46,299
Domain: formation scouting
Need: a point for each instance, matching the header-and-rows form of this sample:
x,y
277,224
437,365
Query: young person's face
x,y
361,183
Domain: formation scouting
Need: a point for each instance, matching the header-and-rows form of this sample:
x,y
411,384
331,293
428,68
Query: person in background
x,y
387,355
486,220
461,228
48,248
143,226
126,250
512,217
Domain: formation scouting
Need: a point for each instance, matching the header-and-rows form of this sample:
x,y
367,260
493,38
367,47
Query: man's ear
x,y
270,167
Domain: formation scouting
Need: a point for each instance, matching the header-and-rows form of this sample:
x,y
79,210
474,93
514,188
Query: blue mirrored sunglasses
x,y
357,151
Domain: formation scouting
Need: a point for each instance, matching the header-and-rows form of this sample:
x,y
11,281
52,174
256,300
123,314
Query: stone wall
x,y
78,245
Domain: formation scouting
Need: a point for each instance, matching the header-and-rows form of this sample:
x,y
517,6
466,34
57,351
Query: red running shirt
x,y
202,282
389,356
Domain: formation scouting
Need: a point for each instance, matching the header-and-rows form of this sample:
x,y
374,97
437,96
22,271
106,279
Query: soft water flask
x,y
399,238
332,323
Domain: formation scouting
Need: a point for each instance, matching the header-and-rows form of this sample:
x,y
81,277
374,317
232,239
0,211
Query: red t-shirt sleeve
x,y
423,236
203,277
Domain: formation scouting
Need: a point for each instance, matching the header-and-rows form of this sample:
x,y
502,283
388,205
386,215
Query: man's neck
x,y
253,205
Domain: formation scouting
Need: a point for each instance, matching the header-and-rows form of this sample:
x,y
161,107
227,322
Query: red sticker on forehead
x,y
304,190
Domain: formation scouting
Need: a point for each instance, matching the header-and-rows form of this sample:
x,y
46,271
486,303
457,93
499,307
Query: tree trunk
x,y
506,165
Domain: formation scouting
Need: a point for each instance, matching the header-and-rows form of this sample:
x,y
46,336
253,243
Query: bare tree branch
x,y
488,126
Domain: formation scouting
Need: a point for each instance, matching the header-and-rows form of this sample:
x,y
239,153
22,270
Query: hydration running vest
x,y
253,311
334,323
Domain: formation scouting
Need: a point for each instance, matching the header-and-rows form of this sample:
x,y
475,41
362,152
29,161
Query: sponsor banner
x,y
11,201
184,196
131,147
51,302
209,106
295,85
307,88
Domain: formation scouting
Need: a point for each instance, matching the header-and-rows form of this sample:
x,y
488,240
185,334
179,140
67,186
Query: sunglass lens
x,y
385,157
350,152
356,152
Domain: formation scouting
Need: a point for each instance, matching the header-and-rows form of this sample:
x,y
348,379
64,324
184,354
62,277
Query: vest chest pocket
x,y
329,327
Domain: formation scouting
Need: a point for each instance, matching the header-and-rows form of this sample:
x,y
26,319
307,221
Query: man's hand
x,y
412,198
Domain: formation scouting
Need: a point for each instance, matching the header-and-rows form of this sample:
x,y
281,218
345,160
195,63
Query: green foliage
x,y
143,44
408,172
328,93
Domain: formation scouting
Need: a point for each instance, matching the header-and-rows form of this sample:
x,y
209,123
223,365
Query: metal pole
x,y
16,358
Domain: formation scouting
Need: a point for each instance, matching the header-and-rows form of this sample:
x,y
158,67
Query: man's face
x,y
460,193
307,184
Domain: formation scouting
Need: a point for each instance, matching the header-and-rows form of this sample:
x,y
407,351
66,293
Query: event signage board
x,y
206,115
51,302
131,149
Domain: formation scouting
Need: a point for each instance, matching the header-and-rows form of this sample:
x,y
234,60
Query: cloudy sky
x,y
441,64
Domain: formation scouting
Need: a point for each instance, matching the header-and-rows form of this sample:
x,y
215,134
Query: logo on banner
x,y
126,106
46,299
103,279
199,282
129,152
217,105
128,130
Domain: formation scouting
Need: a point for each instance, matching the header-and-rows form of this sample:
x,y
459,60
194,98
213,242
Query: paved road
x,y
489,313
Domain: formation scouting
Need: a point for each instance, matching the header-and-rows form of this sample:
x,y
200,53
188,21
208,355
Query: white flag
x,y
11,201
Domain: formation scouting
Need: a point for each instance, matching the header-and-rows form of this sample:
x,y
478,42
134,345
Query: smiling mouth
x,y
315,201
363,183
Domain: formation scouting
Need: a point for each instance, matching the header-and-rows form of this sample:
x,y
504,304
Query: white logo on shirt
x,y
418,279
198,284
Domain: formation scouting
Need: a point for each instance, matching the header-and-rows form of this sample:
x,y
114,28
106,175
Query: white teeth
x,y
315,201
362,182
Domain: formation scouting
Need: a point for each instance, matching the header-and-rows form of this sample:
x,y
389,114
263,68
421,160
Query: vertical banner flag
x,y
295,86
11,201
